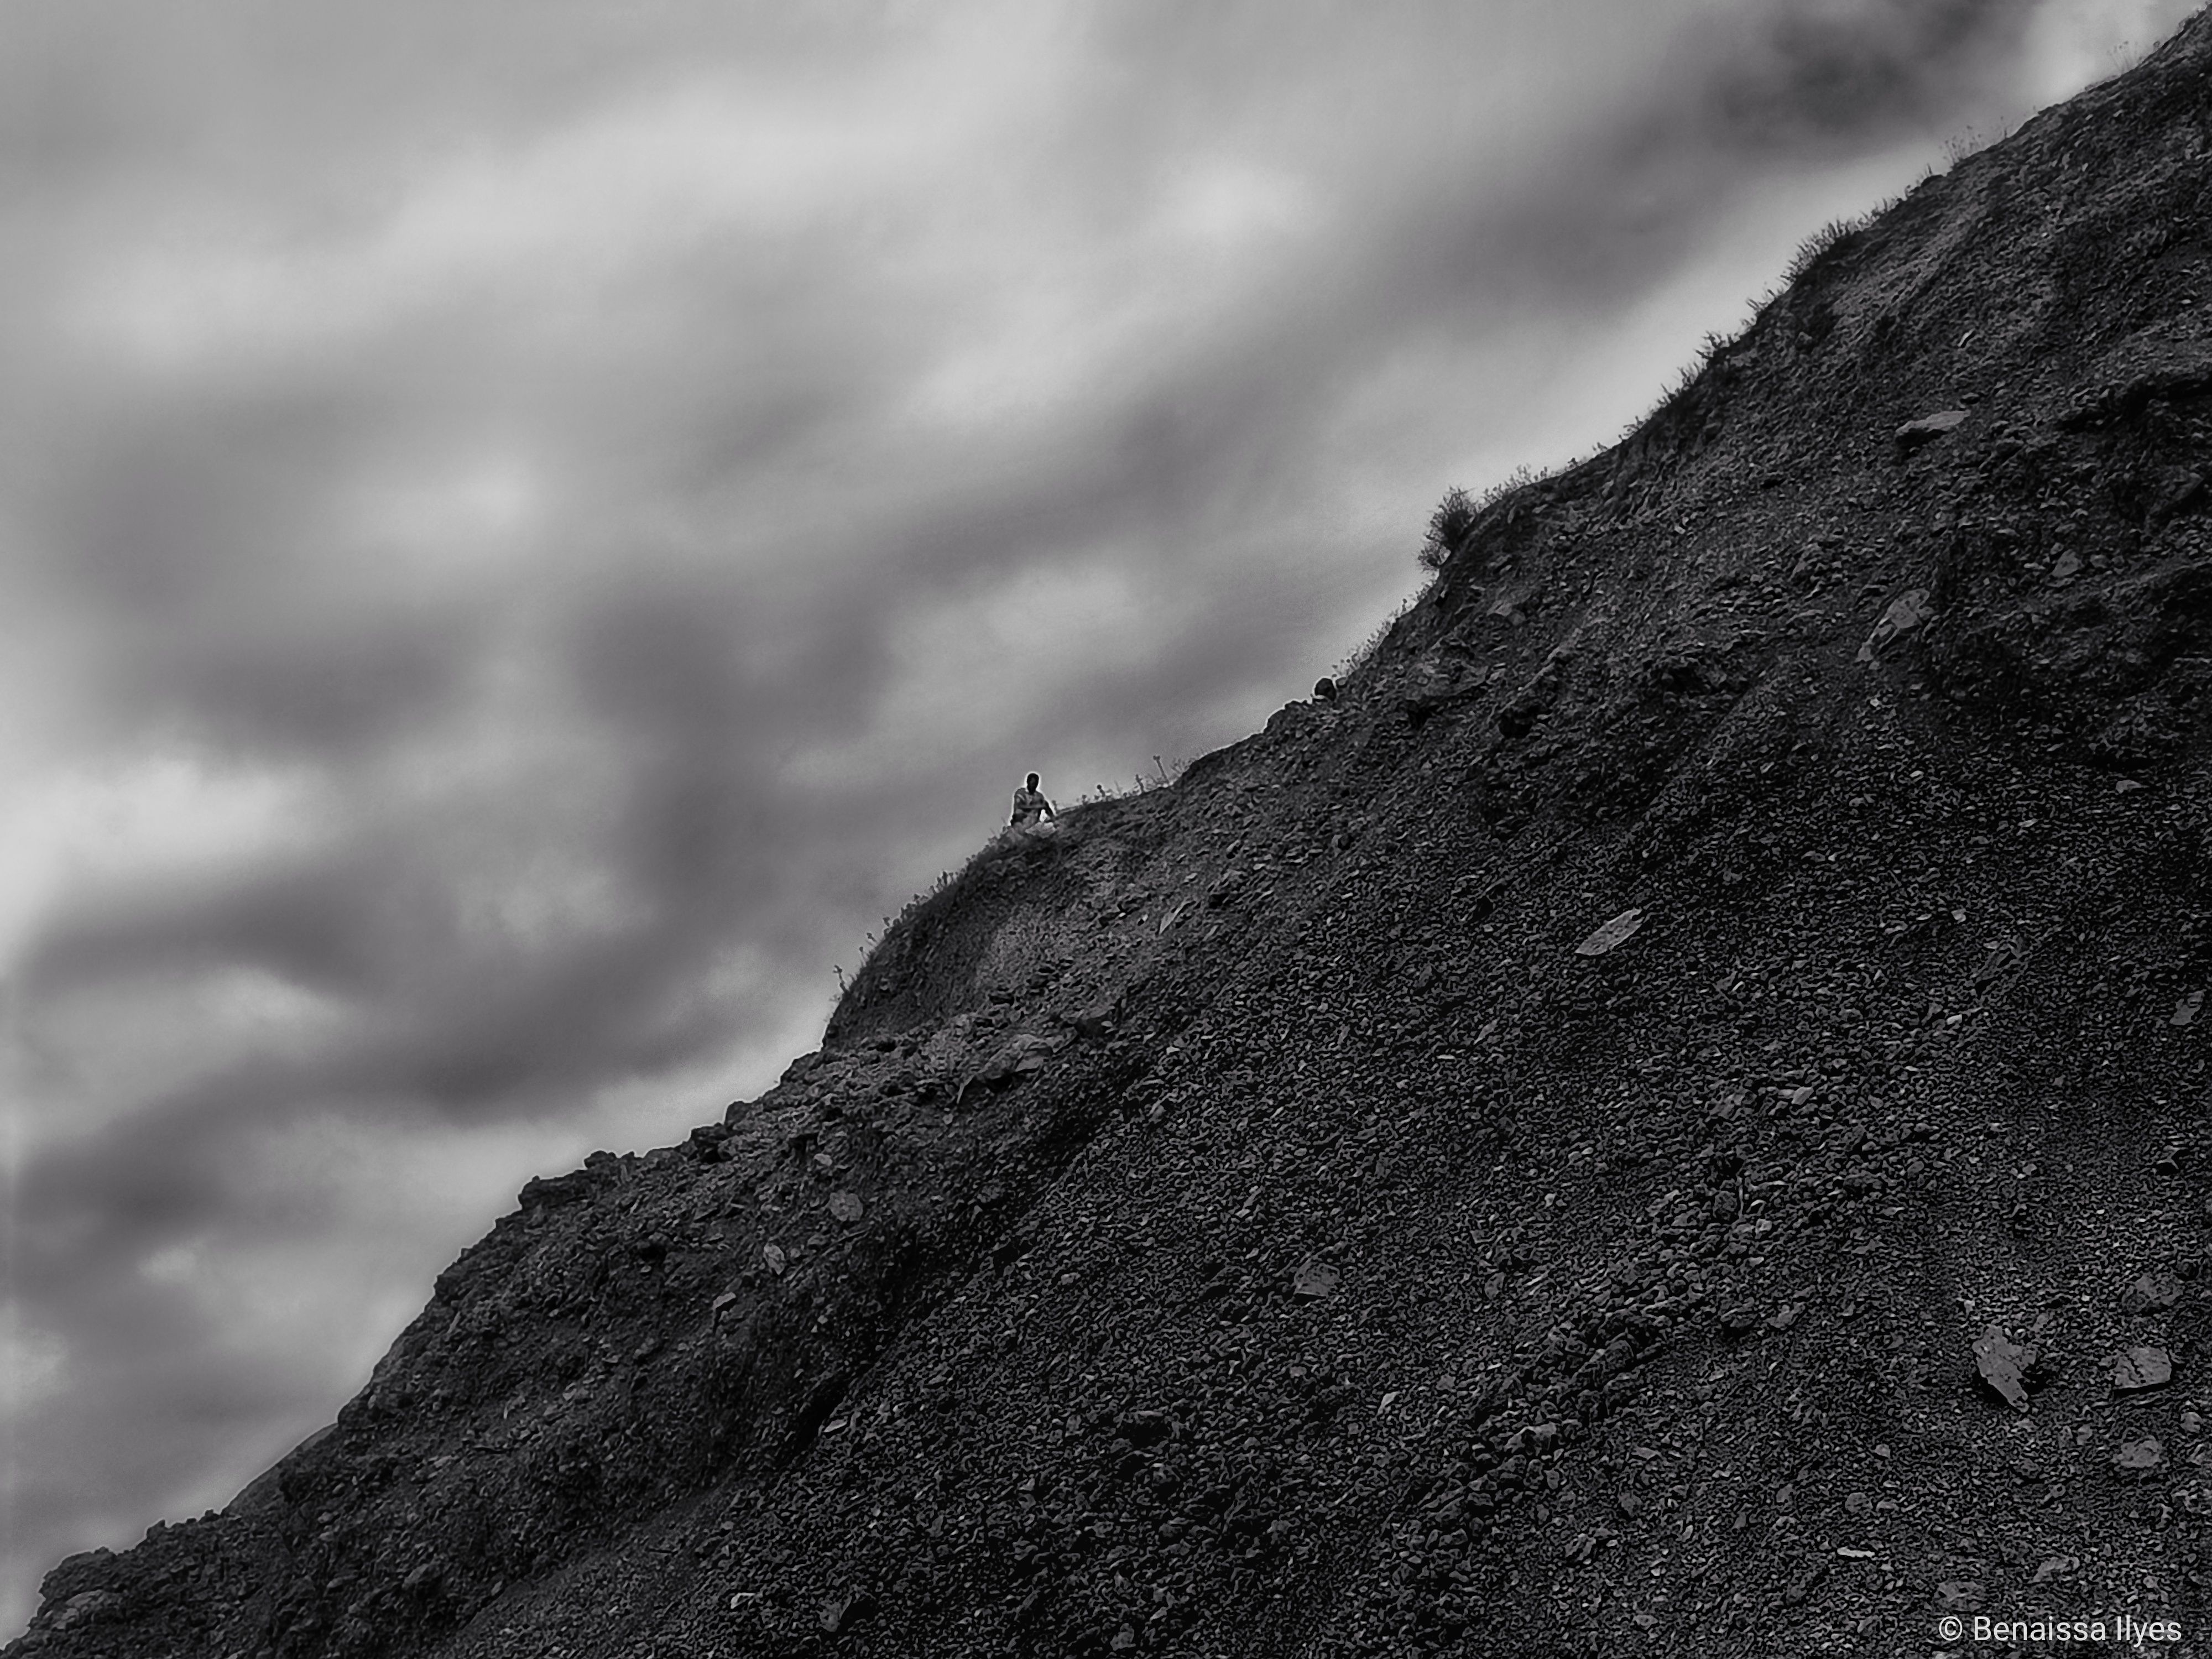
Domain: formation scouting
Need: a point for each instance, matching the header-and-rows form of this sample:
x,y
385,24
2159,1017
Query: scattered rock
x,y
2139,1456
1615,933
1961,1596
86,1607
2138,1369
840,1614
2054,1566
773,1256
1928,427
847,1207
1315,1279
2184,1011
1907,612
2003,1365
1093,1022
2150,1293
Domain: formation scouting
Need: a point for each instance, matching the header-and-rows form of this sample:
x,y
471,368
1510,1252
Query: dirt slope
x,y
1249,1223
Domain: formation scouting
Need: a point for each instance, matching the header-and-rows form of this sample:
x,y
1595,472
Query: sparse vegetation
x,y
1831,235
1019,1261
1459,511
1363,652
1141,783
1447,528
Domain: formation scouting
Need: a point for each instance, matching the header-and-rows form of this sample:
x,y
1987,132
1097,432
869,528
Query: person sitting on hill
x,y
1030,804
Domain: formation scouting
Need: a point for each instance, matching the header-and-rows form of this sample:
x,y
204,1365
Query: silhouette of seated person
x,y
1030,805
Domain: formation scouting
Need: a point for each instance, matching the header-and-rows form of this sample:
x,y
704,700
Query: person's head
x,y
1032,783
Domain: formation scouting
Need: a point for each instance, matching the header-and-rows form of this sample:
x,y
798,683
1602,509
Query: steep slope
x,y
1268,1218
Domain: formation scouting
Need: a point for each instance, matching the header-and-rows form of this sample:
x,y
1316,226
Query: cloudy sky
x,y
526,530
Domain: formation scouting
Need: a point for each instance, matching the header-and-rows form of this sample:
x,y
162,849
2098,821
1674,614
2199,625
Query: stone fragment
x,y
1615,933
841,1612
2002,1365
1928,427
2151,1293
1315,1280
2138,1369
1908,611
1093,1022
2139,1456
847,1207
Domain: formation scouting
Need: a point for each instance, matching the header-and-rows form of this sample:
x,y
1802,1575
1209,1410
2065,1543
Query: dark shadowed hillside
x,y
1280,1216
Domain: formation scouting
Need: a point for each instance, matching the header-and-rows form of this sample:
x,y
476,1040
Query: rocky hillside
x,y
1671,1118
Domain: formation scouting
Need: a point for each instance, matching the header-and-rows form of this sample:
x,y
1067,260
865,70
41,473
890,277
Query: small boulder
x,y
2151,1293
840,1614
2138,1369
1928,427
1315,1280
1613,934
2139,1456
2002,1365
1908,611
1093,1022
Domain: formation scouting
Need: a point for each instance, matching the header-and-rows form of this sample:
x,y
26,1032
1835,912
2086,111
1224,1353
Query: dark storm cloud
x,y
544,527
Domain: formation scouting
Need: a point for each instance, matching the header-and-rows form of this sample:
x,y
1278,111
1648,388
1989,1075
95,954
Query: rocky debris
x,y
1655,1266
2003,1365
2135,1369
2151,1293
2139,1456
1315,1279
1961,1596
1612,935
840,1614
1909,610
1928,428
1093,1023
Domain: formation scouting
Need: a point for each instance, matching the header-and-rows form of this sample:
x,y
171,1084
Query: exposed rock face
x,y
1249,1223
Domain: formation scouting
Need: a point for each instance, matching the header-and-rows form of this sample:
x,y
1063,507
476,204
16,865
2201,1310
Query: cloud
x,y
535,530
